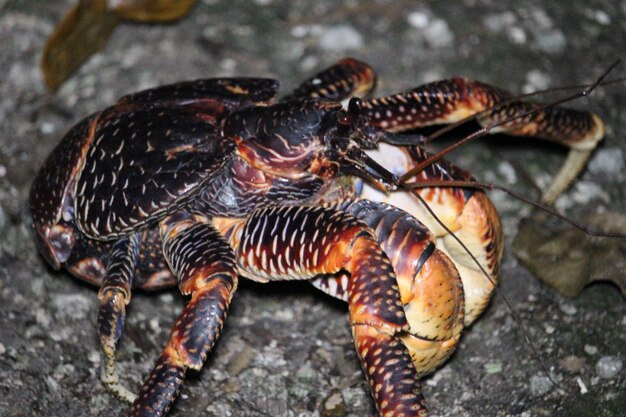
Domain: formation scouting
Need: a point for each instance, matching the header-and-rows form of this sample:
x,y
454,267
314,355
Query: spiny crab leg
x,y
303,242
205,267
114,295
455,99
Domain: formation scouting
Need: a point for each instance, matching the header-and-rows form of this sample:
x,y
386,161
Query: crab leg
x,y
304,242
347,78
205,267
114,295
430,286
452,100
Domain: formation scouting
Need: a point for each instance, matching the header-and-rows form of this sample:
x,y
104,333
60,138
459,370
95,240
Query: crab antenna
x,y
484,131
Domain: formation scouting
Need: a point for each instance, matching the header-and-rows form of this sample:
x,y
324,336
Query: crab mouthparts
x,y
359,164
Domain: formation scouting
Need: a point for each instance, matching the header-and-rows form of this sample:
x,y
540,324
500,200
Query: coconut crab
x,y
196,183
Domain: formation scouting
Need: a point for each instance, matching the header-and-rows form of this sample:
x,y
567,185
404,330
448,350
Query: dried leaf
x,y
82,32
87,27
568,259
152,10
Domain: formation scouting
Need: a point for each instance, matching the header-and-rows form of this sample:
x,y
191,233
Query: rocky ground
x,y
286,350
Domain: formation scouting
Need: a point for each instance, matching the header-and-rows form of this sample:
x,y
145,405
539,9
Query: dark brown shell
x,y
143,163
154,149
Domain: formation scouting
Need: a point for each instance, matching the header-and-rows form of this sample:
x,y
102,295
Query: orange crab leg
x,y
455,99
304,242
430,286
205,267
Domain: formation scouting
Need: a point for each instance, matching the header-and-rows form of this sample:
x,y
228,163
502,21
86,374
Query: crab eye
x,y
355,107
344,120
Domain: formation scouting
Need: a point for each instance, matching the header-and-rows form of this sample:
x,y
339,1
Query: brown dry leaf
x,y
82,32
87,27
568,259
151,10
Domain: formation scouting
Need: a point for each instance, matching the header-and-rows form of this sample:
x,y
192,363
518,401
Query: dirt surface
x,y
286,349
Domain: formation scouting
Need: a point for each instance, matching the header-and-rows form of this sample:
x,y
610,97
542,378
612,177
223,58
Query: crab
x,y
198,183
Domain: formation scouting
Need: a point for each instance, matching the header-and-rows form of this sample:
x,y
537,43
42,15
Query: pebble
x,y
94,356
540,385
508,172
418,19
166,297
568,309
306,371
552,41
536,80
63,370
72,306
602,17
582,386
608,161
609,367
340,38
590,349
438,34
493,367
334,406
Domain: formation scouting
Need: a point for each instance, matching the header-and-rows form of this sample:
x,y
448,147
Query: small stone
x,y
540,385
602,17
305,371
493,367
467,396
582,386
608,161
568,309
43,318
47,128
536,80
609,367
438,34
63,370
94,356
552,41
508,172
340,38
590,349
53,386
334,405
418,19
154,325
166,297
72,306
3,350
